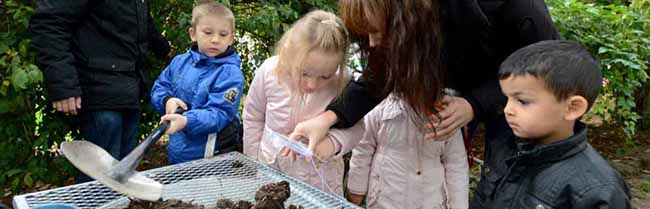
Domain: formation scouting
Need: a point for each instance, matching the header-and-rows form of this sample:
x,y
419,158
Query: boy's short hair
x,y
566,68
204,8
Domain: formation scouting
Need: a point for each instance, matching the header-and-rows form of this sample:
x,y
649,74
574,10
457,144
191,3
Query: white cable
x,y
321,175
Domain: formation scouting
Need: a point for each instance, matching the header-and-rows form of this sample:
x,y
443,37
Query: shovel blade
x,y
98,164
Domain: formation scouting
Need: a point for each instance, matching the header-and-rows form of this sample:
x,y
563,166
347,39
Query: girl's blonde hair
x,y
316,31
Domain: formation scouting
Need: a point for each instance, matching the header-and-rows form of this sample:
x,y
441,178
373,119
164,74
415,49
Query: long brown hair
x,y
408,60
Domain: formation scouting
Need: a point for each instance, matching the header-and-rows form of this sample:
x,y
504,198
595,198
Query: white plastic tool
x,y
291,144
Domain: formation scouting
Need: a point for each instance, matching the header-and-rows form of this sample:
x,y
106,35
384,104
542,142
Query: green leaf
x,y
4,87
28,180
19,79
24,48
15,184
35,75
12,172
5,106
3,179
3,47
15,59
603,50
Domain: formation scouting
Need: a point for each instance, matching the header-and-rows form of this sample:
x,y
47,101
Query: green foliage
x,y
26,138
645,188
608,2
618,36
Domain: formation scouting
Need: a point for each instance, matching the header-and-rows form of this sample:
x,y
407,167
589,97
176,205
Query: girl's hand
x,y
455,113
172,104
314,130
355,198
176,122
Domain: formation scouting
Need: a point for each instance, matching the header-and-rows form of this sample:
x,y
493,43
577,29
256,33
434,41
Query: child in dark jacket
x,y
207,82
550,85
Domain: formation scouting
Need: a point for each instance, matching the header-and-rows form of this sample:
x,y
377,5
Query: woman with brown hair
x,y
442,58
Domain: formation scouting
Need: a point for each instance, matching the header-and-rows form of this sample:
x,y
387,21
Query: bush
x,y
28,128
618,36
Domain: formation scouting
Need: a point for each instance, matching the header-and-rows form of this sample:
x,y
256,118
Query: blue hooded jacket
x,y
211,87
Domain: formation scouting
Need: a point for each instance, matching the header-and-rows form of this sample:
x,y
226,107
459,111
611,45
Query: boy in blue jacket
x,y
207,82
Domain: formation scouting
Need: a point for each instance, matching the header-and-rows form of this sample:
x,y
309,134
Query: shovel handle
x,y
164,125
130,162
159,131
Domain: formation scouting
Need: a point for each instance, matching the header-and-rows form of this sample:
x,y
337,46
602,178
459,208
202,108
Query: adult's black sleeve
x,y
51,28
358,98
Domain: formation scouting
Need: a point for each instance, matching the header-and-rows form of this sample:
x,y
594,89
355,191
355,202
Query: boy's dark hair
x,y
566,68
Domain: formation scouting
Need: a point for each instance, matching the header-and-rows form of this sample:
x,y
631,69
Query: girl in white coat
x,y
306,75
394,166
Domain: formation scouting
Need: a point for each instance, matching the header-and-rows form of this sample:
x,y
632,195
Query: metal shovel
x,y
117,175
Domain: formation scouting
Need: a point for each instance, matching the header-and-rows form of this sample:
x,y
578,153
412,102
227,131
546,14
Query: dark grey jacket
x,y
95,49
565,174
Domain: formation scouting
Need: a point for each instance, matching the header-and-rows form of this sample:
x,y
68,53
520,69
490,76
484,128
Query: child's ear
x,y
192,33
576,107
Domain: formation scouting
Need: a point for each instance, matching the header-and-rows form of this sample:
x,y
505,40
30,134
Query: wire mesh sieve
x,y
233,176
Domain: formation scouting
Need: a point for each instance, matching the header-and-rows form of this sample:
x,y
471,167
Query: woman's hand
x,y
455,113
176,122
314,130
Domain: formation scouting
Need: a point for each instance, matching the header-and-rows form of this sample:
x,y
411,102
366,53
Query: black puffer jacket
x,y
95,49
565,174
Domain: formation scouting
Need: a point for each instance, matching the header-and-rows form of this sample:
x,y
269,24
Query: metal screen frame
x,y
202,181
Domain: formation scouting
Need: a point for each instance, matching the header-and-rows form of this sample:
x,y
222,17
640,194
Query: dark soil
x,y
228,204
224,204
243,204
167,204
296,207
272,196
237,164
269,196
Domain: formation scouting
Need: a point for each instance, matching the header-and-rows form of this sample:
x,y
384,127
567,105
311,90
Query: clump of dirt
x,y
243,204
237,164
269,196
228,204
296,207
272,196
224,204
167,204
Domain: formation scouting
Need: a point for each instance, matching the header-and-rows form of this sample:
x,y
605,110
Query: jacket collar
x,y
229,56
537,154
